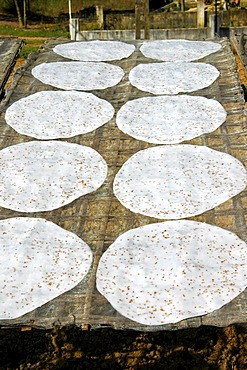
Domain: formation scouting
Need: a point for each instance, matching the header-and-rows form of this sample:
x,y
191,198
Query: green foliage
x,y
27,49
54,8
8,7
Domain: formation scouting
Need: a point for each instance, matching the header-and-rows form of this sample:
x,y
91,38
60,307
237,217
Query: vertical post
x,y
211,22
182,6
70,22
70,17
138,19
100,16
200,14
74,28
146,20
216,19
142,10
25,13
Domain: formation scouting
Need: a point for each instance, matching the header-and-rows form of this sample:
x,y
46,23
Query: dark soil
x,y
205,348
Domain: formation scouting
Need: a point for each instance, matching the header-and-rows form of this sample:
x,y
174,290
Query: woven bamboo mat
x,y
98,218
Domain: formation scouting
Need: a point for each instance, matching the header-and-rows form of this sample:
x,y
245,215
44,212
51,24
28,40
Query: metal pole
x,y
70,17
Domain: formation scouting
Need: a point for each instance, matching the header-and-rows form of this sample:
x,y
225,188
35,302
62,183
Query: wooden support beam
x,y
146,20
142,18
138,19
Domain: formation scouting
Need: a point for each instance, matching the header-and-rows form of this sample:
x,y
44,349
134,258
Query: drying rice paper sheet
x,y
166,272
97,50
42,176
178,50
172,78
170,119
58,114
78,75
178,181
39,261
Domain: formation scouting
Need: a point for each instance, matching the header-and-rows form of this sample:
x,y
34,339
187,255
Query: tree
x,y
21,9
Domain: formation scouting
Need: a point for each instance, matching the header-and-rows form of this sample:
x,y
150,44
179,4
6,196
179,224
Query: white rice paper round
x,y
78,75
177,181
172,78
58,114
96,50
42,176
170,119
166,272
39,261
178,50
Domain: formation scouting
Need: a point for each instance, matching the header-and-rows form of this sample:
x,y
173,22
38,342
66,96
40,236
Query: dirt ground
x,y
205,348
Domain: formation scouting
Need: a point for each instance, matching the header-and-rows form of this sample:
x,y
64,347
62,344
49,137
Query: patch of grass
x,y
27,49
34,35
43,31
34,41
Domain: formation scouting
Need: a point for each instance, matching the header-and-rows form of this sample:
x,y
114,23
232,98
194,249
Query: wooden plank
x,y
9,51
238,39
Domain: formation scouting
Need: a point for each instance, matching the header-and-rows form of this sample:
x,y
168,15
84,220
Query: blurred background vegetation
x,y
58,8
42,19
36,20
